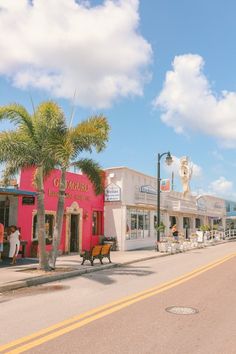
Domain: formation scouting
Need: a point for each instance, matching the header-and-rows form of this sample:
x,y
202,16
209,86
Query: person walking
x,y
14,239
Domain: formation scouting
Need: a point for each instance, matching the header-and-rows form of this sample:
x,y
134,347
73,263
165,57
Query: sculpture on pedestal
x,y
185,171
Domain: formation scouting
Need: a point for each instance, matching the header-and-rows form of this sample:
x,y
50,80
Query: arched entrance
x,y
74,220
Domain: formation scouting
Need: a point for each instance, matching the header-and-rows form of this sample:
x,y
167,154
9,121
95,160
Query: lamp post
x,y
169,161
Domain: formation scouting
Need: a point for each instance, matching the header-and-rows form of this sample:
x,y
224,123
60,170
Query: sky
x,y
162,72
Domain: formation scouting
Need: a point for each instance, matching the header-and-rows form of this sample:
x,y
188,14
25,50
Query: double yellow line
x,y
26,343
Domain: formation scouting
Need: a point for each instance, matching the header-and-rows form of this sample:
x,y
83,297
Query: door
x,y
74,233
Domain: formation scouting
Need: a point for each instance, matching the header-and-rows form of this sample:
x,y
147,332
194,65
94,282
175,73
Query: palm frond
x,y
9,172
18,115
16,146
93,171
92,133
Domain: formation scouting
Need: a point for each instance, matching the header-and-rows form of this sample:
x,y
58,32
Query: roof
x,y
16,192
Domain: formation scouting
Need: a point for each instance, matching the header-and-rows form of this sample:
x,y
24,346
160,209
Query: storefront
x,y
83,213
131,204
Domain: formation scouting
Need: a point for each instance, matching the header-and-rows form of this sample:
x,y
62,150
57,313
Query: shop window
x,y
172,221
138,222
4,212
49,224
97,223
155,221
186,223
197,223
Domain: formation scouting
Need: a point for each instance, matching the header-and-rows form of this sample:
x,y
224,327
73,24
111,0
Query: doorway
x,y
74,233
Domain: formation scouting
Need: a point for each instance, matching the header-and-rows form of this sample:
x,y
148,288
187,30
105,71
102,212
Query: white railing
x,y
231,233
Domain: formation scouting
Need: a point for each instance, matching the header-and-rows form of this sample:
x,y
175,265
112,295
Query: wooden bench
x,y
97,252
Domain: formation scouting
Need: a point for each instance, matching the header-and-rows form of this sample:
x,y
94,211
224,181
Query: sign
x,y
201,203
148,190
112,193
72,185
28,200
165,185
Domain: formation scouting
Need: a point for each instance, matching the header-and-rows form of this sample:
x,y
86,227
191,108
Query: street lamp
x,y
169,161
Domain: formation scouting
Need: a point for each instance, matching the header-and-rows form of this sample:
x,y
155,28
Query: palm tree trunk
x,y
59,218
43,257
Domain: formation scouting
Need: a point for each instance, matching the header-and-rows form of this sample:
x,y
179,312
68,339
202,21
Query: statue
x,y
185,172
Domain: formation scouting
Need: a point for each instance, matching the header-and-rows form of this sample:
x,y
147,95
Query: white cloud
x,y
65,45
221,187
175,166
188,102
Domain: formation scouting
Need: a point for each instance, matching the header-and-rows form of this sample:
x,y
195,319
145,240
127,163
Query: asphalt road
x,y
124,310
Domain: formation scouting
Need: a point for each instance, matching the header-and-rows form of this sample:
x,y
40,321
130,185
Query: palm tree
x,y
67,150
43,140
26,146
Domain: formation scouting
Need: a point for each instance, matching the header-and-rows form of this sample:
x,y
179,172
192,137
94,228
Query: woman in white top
x,y
14,239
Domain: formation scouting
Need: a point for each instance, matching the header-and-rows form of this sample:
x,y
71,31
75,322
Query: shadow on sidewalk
x,y
6,262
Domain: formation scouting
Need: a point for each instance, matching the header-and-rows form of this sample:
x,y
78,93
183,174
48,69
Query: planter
x,y
163,246
181,247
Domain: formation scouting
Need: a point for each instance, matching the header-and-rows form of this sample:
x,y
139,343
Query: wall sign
x,y
201,203
148,189
28,200
112,193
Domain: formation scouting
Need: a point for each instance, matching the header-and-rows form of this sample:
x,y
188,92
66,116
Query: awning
x,y
16,192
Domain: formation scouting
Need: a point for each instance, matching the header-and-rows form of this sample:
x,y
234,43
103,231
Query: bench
x,y
97,252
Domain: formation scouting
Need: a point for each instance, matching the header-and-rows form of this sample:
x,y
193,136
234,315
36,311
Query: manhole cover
x,y
181,310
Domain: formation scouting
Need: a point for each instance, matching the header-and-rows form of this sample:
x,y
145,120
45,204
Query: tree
x,y
26,146
44,141
67,150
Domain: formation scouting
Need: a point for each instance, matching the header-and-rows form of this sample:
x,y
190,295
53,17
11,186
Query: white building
x,y
131,204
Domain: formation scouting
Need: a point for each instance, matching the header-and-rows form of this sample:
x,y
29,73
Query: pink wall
x,y
79,189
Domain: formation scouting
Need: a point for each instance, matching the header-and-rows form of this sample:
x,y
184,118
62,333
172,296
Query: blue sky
x,y
161,71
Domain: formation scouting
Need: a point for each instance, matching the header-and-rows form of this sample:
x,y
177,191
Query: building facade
x,y
230,214
131,209
83,221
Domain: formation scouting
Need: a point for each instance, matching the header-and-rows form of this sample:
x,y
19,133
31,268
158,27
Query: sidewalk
x,y
25,272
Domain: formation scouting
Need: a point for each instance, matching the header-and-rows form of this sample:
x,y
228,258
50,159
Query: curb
x,y
43,279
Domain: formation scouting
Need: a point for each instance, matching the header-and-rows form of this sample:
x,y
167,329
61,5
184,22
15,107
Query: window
x,y
172,221
49,223
138,222
97,223
186,223
197,223
4,212
155,221
228,207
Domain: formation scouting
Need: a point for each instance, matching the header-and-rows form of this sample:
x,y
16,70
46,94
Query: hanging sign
x,y
165,185
112,193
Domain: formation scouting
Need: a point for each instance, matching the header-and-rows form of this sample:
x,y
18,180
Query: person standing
x,y
175,232
1,240
14,239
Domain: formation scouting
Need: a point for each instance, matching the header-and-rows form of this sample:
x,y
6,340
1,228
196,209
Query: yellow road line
x,y
92,315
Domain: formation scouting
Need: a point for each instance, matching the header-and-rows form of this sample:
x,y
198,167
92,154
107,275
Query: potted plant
x,y
161,228
162,245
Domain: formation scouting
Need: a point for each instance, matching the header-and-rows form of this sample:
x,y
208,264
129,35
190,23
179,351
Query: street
x,y
124,310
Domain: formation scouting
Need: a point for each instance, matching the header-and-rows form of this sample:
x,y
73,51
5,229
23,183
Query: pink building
x,y
83,214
